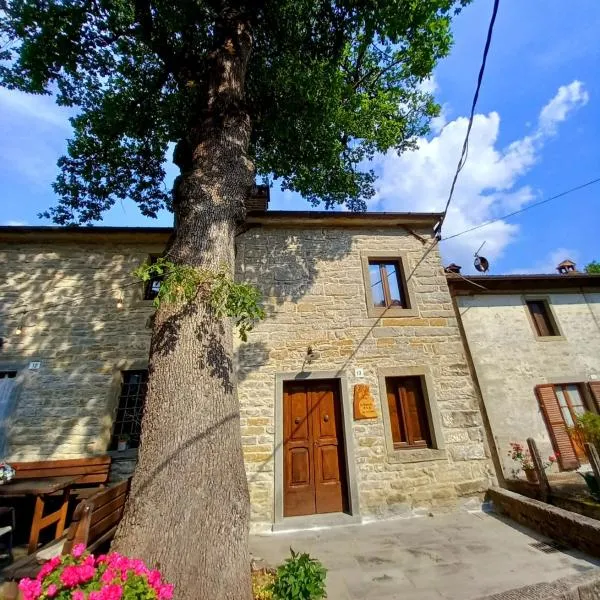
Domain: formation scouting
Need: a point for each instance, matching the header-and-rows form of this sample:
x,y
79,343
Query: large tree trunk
x,y
188,511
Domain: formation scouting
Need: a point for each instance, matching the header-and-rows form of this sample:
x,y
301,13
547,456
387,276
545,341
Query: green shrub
x,y
588,426
300,577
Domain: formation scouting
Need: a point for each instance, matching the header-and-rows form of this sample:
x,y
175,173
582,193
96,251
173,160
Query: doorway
x,y
314,461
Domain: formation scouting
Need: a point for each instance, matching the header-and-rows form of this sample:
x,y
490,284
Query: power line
x,y
521,210
465,149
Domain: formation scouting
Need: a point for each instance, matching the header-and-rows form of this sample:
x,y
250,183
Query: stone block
x,y
466,488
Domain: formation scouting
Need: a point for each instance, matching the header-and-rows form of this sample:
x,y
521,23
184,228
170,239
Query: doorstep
x,y
308,522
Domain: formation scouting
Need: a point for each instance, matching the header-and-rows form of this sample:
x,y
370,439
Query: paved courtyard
x,y
460,556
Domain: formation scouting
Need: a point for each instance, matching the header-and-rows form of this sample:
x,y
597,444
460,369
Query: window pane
x,y
128,420
541,318
391,270
564,407
376,285
575,398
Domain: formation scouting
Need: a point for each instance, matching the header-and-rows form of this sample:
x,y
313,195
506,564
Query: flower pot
x,y
531,475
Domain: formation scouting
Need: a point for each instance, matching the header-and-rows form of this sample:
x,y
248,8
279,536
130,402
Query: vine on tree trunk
x,y
182,283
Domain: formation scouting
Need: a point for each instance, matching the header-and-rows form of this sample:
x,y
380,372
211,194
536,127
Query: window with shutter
x,y
557,428
408,413
543,323
594,387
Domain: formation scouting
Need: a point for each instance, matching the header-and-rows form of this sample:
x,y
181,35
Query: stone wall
x,y
314,293
65,409
510,360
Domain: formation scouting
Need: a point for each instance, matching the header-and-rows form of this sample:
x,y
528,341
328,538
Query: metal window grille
x,y
128,421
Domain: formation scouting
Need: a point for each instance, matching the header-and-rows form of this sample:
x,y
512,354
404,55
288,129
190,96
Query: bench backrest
x,y
88,470
95,520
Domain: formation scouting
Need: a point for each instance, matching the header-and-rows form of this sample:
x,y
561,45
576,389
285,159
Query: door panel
x,y
314,467
298,472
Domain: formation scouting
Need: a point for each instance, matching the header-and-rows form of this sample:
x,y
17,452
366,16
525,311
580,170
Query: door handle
x,y
297,420
326,418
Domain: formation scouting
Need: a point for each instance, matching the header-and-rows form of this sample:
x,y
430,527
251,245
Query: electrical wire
x,y
521,210
465,149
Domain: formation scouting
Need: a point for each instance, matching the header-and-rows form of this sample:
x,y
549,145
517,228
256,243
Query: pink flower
x,y
77,595
86,572
30,588
112,592
165,592
48,567
70,576
108,576
52,590
95,596
78,550
154,579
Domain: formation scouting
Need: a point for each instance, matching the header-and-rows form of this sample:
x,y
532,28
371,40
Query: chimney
x,y
566,266
259,199
452,268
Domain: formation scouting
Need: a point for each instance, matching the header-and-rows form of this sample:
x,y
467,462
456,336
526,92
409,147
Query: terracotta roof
x,y
481,284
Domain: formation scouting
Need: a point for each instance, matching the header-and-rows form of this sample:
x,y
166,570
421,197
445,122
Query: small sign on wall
x,y
364,405
34,365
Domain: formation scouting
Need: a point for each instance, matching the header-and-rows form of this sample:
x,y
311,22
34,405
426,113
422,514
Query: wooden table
x,y
41,488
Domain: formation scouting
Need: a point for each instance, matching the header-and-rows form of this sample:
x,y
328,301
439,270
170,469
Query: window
x,y
570,401
152,286
387,285
128,422
542,320
408,413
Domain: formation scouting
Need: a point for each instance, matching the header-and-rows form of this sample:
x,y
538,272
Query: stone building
x,y
534,342
356,396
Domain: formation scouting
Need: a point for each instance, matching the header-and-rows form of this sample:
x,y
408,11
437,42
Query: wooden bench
x,y
92,470
94,524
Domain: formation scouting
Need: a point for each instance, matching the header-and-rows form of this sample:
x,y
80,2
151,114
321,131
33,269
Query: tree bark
x,y
188,511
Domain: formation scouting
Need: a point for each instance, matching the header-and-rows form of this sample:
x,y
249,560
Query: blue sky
x,y
536,133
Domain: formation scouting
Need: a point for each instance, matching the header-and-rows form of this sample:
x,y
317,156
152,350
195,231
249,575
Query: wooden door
x,y
314,466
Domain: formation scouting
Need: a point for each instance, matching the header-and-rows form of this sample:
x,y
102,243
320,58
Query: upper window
x,y
543,322
128,422
408,413
387,284
152,286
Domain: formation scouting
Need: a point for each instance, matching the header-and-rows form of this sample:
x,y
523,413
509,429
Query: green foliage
x,y
262,581
588,427
593,267
329,83
181,283
300,577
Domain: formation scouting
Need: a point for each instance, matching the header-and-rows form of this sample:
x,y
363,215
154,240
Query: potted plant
x,y
522,456
123,442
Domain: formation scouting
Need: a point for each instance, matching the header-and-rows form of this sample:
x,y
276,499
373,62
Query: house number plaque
x,y
364,405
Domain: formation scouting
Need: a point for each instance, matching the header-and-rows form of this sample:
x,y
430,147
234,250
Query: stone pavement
x,y
459,556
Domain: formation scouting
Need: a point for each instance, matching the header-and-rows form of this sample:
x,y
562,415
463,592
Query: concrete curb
x,y
575,587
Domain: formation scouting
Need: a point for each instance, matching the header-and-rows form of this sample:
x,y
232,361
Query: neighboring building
x,y
534,342
359,322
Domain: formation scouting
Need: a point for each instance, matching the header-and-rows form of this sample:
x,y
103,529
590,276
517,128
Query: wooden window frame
x,y
404,422
556,333
413,454
581,388
406,287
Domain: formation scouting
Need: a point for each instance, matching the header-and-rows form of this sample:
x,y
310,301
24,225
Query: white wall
x,y
510,360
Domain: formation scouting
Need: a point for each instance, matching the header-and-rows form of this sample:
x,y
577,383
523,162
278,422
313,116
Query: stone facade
x,y
510,359
314,293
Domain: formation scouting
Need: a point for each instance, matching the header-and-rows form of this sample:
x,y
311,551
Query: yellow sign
x,y
364,405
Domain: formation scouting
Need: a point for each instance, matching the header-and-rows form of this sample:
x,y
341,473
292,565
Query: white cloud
x,y
35,107
14,223
567,99
487,187
549,263
34,130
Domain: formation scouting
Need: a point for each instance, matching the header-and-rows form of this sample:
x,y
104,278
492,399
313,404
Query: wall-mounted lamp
x,y
21,325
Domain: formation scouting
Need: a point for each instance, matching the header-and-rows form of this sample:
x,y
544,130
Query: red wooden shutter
x,y
556,427
595,391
